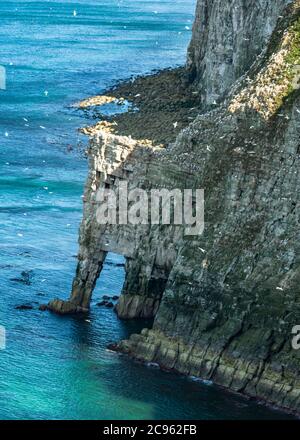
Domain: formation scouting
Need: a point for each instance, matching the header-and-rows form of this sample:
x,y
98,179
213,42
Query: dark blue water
x,y
59,368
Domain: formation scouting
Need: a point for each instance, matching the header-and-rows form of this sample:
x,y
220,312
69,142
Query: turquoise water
x,y
53,367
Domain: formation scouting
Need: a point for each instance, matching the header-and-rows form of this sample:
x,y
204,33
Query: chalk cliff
x,y
224,302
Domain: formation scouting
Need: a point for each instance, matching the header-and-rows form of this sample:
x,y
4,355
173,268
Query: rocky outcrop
x,y
149,257
224,302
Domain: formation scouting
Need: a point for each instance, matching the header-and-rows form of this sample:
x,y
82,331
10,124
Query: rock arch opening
x,y
110,282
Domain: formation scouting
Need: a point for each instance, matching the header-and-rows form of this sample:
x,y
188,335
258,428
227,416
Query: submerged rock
x,y
26,277
102,303
43,307
109,305
24,307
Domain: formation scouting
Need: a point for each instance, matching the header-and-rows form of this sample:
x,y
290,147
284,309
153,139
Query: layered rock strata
x,y
225,302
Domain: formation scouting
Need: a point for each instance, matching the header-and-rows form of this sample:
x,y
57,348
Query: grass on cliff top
x,y
276,75
293,57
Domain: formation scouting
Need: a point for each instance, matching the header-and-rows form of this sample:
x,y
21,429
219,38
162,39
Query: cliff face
x,y
224,302
233,296
227,38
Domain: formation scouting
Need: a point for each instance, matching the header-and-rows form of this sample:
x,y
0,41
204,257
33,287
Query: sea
x,y
55,53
